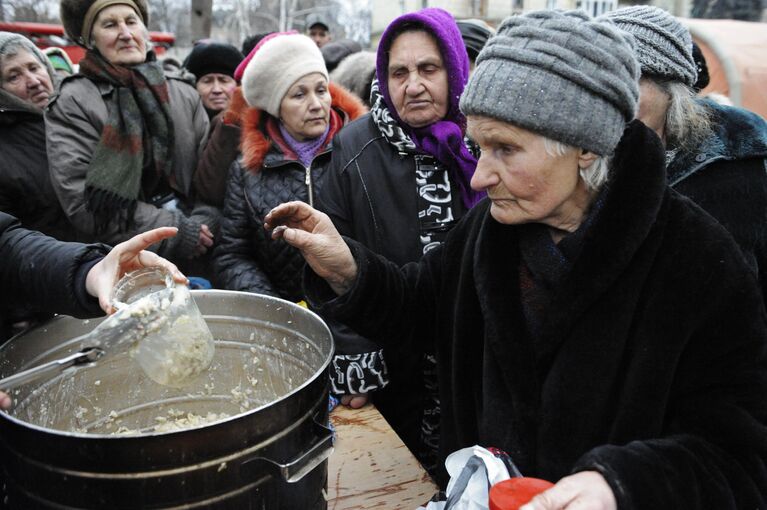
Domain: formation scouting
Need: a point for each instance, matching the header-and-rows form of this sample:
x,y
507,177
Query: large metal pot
x,y
93,437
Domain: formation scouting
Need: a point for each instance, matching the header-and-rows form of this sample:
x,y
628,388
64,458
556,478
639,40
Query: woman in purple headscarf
x,y
398,181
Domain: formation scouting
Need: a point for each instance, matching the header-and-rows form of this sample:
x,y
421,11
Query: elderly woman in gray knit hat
x,y
123,139
716,154
586,319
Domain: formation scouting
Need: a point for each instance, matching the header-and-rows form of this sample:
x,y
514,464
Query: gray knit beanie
x,y
663,44
560,74
10,40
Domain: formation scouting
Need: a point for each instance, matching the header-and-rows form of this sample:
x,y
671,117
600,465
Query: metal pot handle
x,y
294,470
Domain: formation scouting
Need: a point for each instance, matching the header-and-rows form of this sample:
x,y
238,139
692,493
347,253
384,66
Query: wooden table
x,y
371,467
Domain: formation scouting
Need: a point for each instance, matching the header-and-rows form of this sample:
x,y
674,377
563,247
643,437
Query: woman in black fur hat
x,y
122,138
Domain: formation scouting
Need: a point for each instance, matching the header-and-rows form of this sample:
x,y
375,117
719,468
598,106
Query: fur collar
x,y
632,199
255,143
737,134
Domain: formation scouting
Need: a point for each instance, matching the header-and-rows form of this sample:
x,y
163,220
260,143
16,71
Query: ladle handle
x,y
46,370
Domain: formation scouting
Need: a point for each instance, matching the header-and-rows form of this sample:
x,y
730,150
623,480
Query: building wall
x,y
494,11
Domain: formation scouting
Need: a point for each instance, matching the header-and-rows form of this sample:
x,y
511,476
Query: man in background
x,y
318,30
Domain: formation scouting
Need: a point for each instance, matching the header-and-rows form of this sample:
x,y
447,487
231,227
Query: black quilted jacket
x,y
263,177
247,258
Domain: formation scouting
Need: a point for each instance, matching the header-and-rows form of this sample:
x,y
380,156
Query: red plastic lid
x,y
512,493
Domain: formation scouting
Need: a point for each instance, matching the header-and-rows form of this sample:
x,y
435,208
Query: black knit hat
x,y
334,52
700,64
474,36
250,42
74,13
213,57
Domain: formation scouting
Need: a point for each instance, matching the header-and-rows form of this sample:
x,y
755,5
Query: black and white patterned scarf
x,y
436,216
386,124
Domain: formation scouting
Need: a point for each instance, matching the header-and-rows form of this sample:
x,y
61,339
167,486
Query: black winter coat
x,y
726,174
26,191
247,258
371,194
44,274
372,197
651,366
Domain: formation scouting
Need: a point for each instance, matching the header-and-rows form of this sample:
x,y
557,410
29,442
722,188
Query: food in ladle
x,y
182,347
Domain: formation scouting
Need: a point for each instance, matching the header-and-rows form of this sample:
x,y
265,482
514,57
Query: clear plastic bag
x,y
472,472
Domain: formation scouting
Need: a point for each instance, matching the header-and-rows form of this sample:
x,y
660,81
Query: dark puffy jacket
x,y
371,194
26,191
43,274
726,174
265,176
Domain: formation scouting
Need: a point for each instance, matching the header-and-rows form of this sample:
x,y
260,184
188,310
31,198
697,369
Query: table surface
x,y
371,467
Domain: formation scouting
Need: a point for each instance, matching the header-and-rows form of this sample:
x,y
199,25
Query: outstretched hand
x,y
587,489
313,233
124,258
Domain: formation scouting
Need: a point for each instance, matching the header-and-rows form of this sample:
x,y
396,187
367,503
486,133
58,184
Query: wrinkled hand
x,y
204,242
314,235
581,491
355,401
124,258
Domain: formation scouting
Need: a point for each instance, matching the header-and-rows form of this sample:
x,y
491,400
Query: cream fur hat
x,y
275,65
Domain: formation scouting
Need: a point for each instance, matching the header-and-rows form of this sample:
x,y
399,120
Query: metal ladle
x,y
156,319
118,332
182,347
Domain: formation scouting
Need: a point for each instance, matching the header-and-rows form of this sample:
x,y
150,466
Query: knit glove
x,y
209,215
188,237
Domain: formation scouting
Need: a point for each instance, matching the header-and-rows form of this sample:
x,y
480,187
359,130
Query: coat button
x,y
700,158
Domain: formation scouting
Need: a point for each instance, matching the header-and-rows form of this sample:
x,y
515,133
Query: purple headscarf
x,y
444,138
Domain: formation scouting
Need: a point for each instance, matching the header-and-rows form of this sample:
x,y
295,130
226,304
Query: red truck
x,y
45,35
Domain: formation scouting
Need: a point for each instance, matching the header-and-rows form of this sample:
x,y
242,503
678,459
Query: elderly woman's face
x,y
26,78
523,181
120,35
653,106
305,109
216,90
417,79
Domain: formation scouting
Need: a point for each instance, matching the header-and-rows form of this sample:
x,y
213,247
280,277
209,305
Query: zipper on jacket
x,y
309,184
309,175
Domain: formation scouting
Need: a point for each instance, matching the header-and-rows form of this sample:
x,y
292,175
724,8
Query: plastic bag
x,y
472,471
